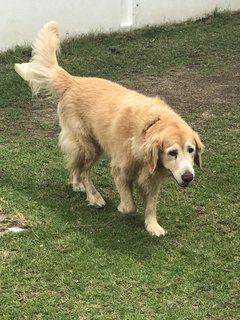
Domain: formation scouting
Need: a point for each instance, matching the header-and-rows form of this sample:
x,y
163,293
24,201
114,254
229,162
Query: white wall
x,y
21,19
162,11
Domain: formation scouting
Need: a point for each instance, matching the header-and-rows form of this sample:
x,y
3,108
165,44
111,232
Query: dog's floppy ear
x,y
152,149
153,143
199,150
152,164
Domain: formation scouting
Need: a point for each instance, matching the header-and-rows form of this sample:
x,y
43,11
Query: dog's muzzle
x,y
186,178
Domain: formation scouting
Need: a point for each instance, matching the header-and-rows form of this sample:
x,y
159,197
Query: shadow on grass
x,y
107,228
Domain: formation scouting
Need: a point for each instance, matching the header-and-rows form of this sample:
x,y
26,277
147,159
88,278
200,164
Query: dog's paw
x,y
155,229
79,187
96,200
127,209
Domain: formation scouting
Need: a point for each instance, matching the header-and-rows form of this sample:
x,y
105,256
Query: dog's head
x,y
174,146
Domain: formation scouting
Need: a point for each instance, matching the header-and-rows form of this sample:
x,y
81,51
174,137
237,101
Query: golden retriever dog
x,y
145,139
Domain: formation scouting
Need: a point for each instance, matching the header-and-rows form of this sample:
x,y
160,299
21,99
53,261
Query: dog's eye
x,y
173,153
190,150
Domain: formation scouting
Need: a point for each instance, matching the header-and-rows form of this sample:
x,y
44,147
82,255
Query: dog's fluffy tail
x,y
44,72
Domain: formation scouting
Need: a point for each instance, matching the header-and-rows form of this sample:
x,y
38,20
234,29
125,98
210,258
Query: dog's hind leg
x,y
82,178
94,198
81,156
125,189
76,182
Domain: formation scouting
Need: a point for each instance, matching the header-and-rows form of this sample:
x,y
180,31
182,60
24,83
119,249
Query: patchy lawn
x,y
75,262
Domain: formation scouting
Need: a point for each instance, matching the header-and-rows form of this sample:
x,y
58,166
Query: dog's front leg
x,y
151,224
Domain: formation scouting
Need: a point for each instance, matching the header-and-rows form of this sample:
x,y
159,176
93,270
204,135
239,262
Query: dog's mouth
x,y
184,180
180,182
183,184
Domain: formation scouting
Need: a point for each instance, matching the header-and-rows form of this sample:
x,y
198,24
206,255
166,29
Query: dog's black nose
x,y
187,176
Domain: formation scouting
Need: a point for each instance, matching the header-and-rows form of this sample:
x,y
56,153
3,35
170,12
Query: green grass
x,y
76,262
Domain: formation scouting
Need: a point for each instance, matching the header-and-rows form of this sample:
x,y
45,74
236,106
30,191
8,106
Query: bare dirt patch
x,y
11,220
44,119
45,123
186,90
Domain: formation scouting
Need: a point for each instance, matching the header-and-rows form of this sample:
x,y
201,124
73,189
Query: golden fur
x,y
143,136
